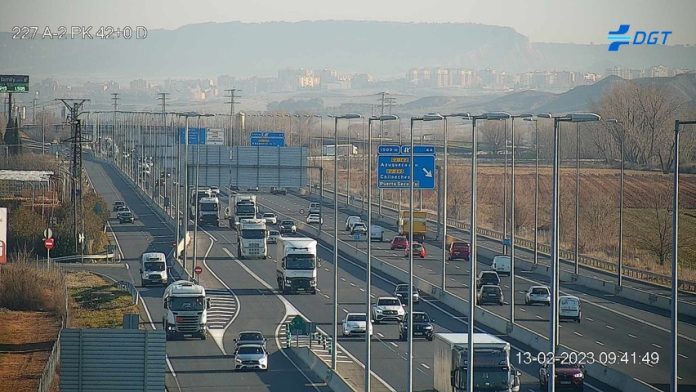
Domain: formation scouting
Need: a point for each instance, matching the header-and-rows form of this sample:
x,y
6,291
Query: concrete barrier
x,y
321,369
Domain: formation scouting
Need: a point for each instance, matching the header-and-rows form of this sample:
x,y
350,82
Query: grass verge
x,y
97,302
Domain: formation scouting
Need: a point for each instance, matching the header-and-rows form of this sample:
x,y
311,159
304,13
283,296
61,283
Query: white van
x,y
569,308
314,208
153,269
501,265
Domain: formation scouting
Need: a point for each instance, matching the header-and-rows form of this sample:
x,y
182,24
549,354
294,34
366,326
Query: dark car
x,y
401,292
250,337
568,376
287,226
126,217
489,294
118,204
458,250
487,277
279,191
422,326
399,242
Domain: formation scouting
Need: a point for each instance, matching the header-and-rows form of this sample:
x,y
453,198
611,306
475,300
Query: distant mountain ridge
x,y
379,48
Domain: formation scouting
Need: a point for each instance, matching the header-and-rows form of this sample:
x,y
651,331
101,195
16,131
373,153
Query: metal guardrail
x,y
49,371
104,256
565,255
130,288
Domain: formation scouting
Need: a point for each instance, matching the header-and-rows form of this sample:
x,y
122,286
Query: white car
x,y
251,356
314,218
214,190
355,323
377,233
351,221
270,218
569,308
538,295
388,308
273,236
358,227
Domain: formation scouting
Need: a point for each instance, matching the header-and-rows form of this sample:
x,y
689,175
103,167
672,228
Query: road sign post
x,y
48,243
198,270
394,167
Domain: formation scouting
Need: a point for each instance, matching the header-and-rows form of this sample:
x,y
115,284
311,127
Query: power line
x,y
232,102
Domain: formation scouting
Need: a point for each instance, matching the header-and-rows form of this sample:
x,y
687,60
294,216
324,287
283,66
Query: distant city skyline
x,y
572,21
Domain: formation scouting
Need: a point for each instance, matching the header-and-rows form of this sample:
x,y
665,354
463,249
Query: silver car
x,y
250,337
273,236
538,295
251,356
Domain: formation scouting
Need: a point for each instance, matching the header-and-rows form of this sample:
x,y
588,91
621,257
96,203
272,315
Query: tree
x,y
493,134
656,239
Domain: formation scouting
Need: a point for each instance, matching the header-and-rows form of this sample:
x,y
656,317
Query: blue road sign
x,y
389,149
274,139
394,170
195,135
507,241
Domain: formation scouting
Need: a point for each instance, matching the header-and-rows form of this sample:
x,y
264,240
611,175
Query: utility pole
x,y
114,97
232,96
74,106
161,97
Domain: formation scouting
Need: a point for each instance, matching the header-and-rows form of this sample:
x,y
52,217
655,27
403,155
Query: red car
x,y
418,250
458,250
399,242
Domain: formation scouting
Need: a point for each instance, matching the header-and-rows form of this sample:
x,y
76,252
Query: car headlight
x,y
288,281
238,360
578,375
428,327
312,282
378,310
263,360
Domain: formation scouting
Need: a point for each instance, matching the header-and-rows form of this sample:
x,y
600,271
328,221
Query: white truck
x,y
153,269
194,198
493,371
241,207
296,264
251,239
209,211
185,310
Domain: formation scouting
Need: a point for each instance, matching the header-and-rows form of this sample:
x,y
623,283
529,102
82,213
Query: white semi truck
x,y
185,310
251,239
209,211
493,371
296,264
241,207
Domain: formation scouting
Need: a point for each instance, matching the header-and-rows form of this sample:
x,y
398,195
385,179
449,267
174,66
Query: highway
x,y
197,365
604,328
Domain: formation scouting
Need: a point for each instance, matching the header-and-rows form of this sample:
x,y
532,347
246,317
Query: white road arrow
x,y
428,173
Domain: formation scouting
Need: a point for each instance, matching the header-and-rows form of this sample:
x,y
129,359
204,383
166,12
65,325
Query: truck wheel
x,y
204,335
314,292
429,338
285,290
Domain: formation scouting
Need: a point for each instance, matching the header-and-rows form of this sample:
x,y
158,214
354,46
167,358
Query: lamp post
x,y
368,294
577,199
675,256
619,271
443,283
536,189
512,215
427,117
573,118
335,280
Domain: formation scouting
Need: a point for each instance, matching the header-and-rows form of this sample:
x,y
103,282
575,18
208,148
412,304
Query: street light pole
x,y
577,198
674,379
536,190
619,272
553,332
335,277
512,216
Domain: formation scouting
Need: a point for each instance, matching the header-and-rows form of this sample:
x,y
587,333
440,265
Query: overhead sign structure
x,y
394,167
3,235
14,83
273,139
195,135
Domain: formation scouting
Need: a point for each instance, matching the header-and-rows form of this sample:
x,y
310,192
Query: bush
x,y
24,285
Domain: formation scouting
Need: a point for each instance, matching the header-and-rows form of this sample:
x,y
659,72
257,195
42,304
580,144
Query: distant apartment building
x,y
225,82
139,85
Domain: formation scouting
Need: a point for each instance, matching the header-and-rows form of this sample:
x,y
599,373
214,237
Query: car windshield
x,y
300,262
399,239
246,209
490,289
490,277
314,216
357,317
540,291
420,318
273,233
417,246
209,206
154,266
250,350
388,302
126,214
269,215
287,223
570,302
186,303
250,336
253,234
460,245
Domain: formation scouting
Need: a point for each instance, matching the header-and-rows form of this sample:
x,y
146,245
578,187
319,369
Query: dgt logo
x,y
621,37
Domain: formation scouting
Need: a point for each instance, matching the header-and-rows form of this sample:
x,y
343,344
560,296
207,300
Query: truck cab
x,y
296,265
185,310
242,206
209,211
251,239
153,269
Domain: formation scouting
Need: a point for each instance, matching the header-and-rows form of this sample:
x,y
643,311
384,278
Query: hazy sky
x,y
578,21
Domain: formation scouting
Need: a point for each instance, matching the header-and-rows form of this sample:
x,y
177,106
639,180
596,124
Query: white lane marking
x,y
598,342
326,296
683,356
425,366
609,327
344,310
361,289
523,309
577,333
633,336
352,284
291,309
589,319
656,345
394,344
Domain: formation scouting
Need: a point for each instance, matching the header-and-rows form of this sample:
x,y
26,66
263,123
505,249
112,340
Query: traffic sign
x,y
394,167
14,83
195,135
273,139
48,233
298,326
301,211
198,270
507,241
48,243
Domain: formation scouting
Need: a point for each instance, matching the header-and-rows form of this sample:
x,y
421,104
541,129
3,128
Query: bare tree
x,y
656,239
493,134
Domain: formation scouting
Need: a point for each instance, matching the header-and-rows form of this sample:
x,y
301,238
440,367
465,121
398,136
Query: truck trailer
x,y
493,371
420,219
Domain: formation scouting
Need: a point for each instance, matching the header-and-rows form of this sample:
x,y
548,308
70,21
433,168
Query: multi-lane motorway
x,y
607,326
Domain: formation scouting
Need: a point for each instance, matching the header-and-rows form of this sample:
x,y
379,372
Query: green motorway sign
x,y
14,83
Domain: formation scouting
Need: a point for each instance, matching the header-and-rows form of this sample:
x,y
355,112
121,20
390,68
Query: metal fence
x,y
130,288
